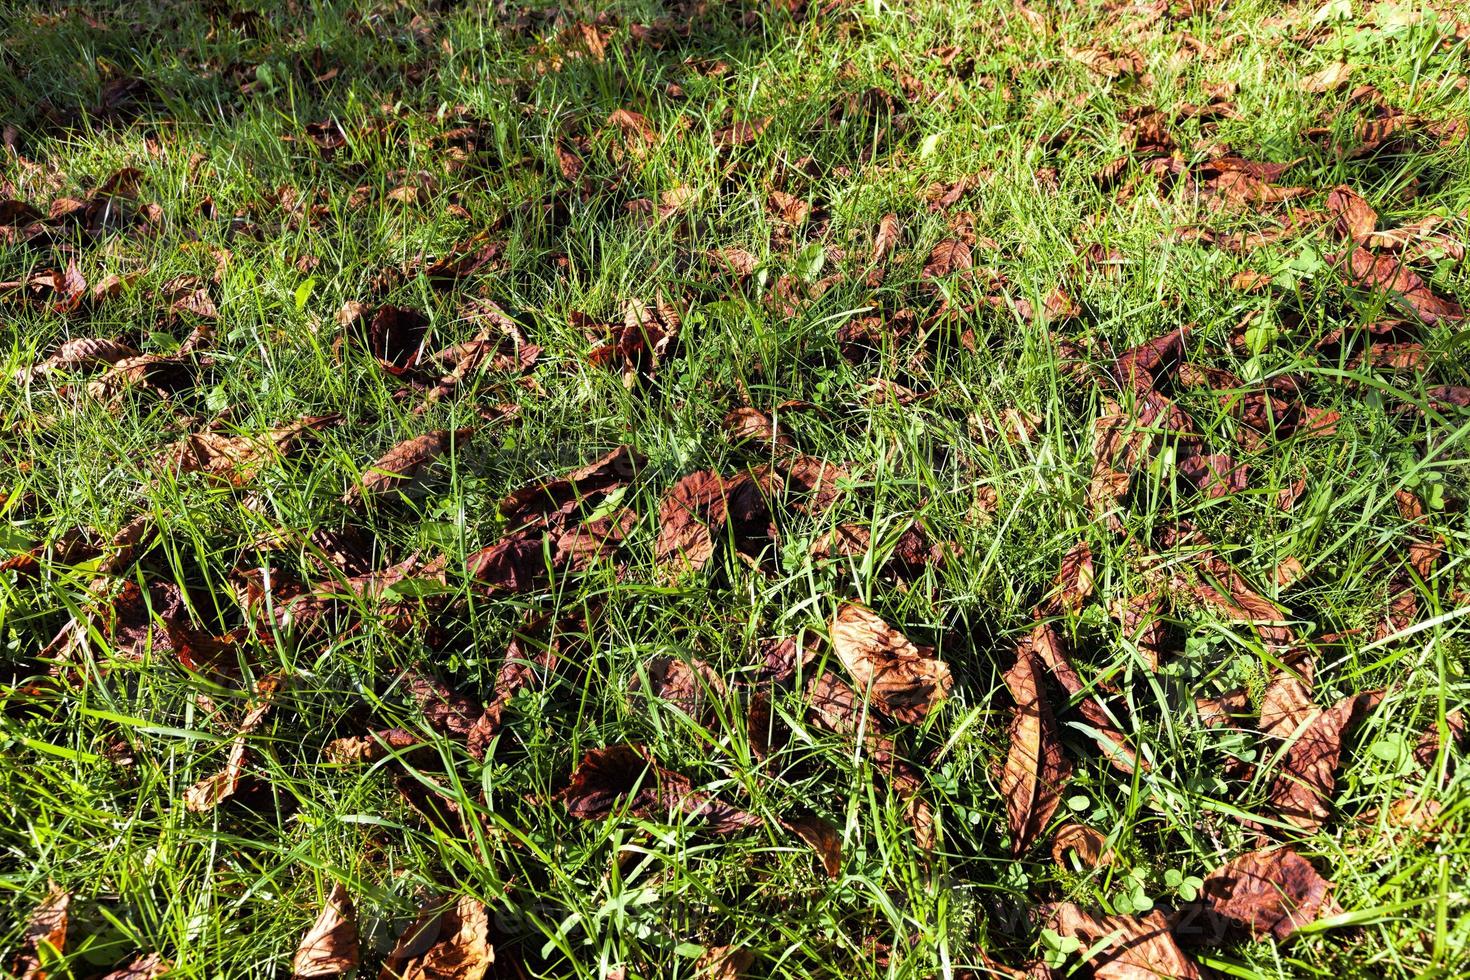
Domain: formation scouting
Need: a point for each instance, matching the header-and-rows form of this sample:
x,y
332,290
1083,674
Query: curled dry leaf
x,y
1035,766
1074,581
46,930
395,336
724,963
1386,274
1303,788
1134,947
237,460
753,425
690,516
330,946
1090,845
409,466
448,942
1328,79
948,257
1270,892
1354,218
823,837
903,681
619,777
148,967
213,790
689,685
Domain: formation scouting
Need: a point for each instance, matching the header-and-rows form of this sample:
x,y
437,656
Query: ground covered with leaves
x,y
717,489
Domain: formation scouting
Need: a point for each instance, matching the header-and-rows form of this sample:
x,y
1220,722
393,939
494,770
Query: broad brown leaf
x,y
903,681
329,948
1302,791
408,466
1137,947
626,777
1354,217
45,929
1035,766
690,516
1384,273
448,942
1269,892
1090,845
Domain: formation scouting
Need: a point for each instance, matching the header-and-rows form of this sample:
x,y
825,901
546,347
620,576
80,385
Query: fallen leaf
x,y
903,681
1269,892
823,838
1354,217
724,963
148,967
329,948
690,516
396,336
1133,947
1074,582
619,777
1384,273
1334,76
1090,845
948,257
448,942
1303,788
689,685
408,466
45,930
1035,766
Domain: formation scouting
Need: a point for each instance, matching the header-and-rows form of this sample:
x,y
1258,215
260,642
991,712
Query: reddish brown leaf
x,y
409,466
448,942
1074,581
149,967
586,484
1271,892
788,208
949,256
724,963
1455,728
1035,766
753,425
1303,789
823,838
1134,947
395,336
689,685
237,460
46,930
621,777
1046,645
903,681
1354,217
740,133
515,563
74,355
1091,846
1143,366
1384,273
329,948
690,516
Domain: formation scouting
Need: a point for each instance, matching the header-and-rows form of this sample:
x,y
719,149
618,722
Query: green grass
x,y
868,115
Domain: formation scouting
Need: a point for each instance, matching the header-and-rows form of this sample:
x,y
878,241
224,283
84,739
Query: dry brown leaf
x,y
1384,273
903,681
448,942
46,930
1354,217
609,780
1035,766
1136,948
724,963
1303,788
823,838
149,967
690,516
1327,79
1269,892
1074,582
1090,845
409,466
330,946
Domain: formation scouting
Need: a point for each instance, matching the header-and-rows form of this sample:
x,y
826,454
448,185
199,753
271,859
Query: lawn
x,y
718,489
